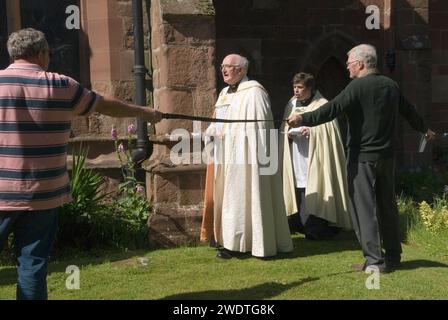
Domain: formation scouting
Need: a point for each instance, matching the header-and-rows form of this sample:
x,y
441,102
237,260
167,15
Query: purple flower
x,y
139,189
131,128
120,147
114,134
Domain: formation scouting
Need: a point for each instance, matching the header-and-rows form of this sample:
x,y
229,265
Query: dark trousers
x,y
300,200
313,227
34,234
371,187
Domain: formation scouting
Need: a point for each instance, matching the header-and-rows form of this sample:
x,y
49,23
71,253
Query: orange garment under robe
x,y
207,233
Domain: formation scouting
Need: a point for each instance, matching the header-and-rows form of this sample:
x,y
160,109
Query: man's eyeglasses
x,y
228,66
350,62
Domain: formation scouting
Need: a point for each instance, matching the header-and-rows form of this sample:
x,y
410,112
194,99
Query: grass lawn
x,y
315,270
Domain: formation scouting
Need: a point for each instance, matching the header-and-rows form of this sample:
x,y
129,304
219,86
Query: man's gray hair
x,y
365,53
244,63
26,43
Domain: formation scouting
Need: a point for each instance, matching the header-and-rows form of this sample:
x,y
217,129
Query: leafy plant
x,y
131,204
435,217
85,185
7,255
95,219
423,185
78,219
408,214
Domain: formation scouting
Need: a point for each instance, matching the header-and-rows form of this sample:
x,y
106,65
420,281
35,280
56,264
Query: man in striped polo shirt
x,y
36,110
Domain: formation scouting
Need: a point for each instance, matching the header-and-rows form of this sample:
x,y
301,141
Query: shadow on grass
x,y
259,292
8,274
417,264
344,241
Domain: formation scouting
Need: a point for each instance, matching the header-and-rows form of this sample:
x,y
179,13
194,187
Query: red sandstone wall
x,y
279,37
413,47
107,25
183,55
438,19
283,37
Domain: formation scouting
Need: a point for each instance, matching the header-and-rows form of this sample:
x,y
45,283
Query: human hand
x,y
305,131
210,134
430,135
293,133
211,131
153,116
294,120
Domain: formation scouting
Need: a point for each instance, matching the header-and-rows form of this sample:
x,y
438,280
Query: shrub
x,y
131,204
95,219
435,218
81,220
7,256
421,186
409,216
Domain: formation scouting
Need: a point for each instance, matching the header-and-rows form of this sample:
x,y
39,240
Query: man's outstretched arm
x,y
115,108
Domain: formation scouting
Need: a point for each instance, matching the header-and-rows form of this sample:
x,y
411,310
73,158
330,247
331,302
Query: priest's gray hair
x,y
365,53
243,63
26,43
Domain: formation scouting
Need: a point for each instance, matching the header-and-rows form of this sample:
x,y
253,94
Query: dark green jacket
x,y
371,104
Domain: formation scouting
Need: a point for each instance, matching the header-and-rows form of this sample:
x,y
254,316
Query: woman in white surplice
x,y
249,213
314,173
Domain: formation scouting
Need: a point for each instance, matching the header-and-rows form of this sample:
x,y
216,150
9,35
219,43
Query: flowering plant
x,y
435,217
132,200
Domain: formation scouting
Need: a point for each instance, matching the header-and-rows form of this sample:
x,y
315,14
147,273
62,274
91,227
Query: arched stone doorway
x,y
3,35
326,59
331,79
334,44
64,43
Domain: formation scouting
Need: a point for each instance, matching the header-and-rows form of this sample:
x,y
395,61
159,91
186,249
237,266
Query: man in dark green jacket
x,y
371,103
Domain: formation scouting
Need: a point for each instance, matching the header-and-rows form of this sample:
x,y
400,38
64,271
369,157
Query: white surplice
x,y
326,190
249,212
299,154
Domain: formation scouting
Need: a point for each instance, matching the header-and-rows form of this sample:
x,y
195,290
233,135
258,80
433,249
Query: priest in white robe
x,y
314,173
249,212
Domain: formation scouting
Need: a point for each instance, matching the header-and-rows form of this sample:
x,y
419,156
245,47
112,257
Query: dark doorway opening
x,y
4,58
331,79
49,16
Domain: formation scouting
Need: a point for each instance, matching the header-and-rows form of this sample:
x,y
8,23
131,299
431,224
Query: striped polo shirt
x,y
36,110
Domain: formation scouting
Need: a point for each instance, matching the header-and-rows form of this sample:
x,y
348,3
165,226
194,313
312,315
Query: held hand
x,y
154,116
211,131
305,132
210,134
295,120
430,135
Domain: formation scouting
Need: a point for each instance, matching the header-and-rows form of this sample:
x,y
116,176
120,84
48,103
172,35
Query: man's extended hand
x,y
430,135
295,120
112,107
154,116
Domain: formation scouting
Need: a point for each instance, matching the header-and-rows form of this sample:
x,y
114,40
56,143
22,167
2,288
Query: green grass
x,y
315,270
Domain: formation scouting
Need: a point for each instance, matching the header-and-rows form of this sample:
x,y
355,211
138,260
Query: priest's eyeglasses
x,y
228,66
350,62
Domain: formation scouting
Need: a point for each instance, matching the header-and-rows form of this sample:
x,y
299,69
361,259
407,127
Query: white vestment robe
x,y
326,191
299,155
249,212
